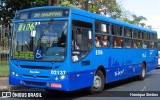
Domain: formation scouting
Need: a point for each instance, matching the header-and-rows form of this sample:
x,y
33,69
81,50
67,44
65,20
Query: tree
x,y
8,9
142,24
109,8
149,27
127,20
138,19
67,4
159,44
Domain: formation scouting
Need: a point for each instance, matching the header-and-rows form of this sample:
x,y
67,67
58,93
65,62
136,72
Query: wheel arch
x,y
145,64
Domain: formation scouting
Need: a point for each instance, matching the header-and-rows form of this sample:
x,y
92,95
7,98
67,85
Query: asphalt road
x,y
118,90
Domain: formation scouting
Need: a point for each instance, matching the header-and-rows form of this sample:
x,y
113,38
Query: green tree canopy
x,y
8,9
108,7
138,19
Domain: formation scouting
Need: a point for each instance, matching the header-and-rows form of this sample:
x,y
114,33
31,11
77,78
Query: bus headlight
x,y
62,77
16,75
13,73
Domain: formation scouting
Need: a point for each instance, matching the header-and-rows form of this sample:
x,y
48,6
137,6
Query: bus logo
x,y
34,72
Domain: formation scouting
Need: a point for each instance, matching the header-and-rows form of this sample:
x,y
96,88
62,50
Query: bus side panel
x,y
152,59
125,63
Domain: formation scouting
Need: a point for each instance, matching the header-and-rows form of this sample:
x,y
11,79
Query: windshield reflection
x,y
40,41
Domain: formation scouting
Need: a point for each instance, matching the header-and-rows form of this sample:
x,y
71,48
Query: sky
x,y
147,8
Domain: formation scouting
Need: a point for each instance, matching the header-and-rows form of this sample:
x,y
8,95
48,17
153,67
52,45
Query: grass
x,y
4,69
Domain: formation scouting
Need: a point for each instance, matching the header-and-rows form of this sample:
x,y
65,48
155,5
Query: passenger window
x,y
155,46
139,35
102,27
106,41
137,43
155,37
117,42
127,42
127,32
97,27
145,35
151,44
135,34
115,30
98,42
145,44
81,39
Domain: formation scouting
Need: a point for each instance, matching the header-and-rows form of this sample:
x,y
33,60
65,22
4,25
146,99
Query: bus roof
x,y
94,16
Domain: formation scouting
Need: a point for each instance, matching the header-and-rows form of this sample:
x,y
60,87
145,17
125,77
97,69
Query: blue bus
x,y
66,49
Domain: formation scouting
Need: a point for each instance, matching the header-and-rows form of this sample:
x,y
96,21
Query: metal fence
x,y
4,43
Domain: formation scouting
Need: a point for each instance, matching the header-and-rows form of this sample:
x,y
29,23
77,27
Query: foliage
x,y
67,4
9,8
158,44
138,19
127,20
109,8
4,69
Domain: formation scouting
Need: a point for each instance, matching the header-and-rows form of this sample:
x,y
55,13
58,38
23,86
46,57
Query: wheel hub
x,y
97,82
143,72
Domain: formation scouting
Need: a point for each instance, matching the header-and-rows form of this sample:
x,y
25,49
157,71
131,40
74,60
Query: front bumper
x,y
46,84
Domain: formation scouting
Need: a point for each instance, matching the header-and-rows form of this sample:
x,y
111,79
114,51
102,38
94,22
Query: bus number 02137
x,y
58,72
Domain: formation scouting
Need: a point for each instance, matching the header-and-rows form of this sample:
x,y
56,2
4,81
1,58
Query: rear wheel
x,y
99,82
143,72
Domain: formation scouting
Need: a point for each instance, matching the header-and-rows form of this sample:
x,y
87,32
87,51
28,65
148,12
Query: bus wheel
x,y
143,72
99,82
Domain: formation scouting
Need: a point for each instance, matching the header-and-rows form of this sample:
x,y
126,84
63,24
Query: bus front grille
x,y
35,83
36,67
44,77
31,76
27,76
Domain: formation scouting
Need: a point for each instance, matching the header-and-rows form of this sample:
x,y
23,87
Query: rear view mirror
x,y
33,33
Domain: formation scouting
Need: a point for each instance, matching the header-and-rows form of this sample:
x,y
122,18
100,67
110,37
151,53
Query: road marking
x,y
143,88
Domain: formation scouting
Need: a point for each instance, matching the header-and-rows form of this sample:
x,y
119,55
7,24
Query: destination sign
x,y
47,13
25,55
26,26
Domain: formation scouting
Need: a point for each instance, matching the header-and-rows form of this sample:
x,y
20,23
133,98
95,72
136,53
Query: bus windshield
x,y
45,41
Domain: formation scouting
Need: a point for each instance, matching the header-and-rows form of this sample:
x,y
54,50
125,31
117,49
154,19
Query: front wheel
x,y
99,82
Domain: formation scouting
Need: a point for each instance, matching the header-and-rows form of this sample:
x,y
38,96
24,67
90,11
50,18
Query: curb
x,y
4,83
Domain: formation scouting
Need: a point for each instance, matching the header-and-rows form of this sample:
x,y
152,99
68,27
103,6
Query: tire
x,y
98,83
143,72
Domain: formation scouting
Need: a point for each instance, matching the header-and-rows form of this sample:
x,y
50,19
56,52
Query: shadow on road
x,y
85,93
